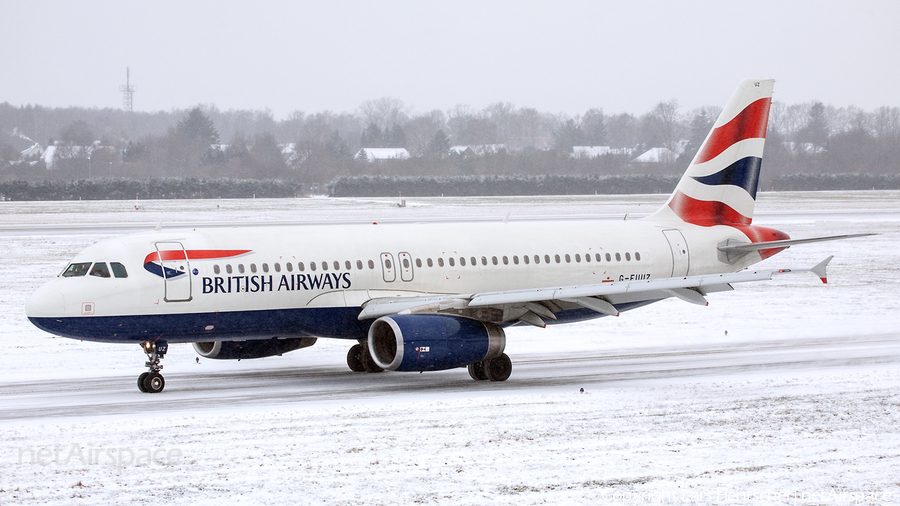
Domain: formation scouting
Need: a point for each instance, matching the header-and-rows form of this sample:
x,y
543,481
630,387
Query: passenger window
x,y
462,261
287,265
312,266
118,270
587,257
568,258
76,270
429,262
440,262
265,268
483,260
637,256
277,267
556,257
371,264
547,259
337,265
347,265
387,263
216,269
100,270
537,259
359,264
494,260
301,266
253,268
229,270
526,259
598,257
405,263
505,260
618,257
325,266
516,259
419,262
451,261
627,256
578,258
241,268
608,258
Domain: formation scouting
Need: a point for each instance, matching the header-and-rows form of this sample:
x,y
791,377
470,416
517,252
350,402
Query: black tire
x,y
141,380
498,368
368,362
154,383
476,371
354,358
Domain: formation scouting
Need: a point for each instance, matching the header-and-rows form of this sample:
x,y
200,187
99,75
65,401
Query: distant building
x,y
590,151
382,154
478,149
656,155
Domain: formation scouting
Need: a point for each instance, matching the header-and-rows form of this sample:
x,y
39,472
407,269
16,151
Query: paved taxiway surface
x,y
118,395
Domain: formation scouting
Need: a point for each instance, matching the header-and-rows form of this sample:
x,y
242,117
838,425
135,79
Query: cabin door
x,y
681,258
388,268
176,271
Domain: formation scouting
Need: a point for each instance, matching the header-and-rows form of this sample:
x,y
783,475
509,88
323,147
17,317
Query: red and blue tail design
x,y
719,187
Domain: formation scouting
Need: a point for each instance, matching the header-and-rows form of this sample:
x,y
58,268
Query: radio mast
x,y
127,91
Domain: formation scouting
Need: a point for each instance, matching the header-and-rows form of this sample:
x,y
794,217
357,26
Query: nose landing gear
x,y
152,382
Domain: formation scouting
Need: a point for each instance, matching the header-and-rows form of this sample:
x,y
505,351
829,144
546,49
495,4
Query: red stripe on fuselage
x,y
194,254
749,124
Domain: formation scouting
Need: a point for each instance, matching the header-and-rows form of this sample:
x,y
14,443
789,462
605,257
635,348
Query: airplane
x,y
423,296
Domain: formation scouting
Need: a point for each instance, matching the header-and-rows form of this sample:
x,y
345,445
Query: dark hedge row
x,y
823,182
462,186
167,188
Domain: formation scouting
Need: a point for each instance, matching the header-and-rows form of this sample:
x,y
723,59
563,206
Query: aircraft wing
x,y
533,306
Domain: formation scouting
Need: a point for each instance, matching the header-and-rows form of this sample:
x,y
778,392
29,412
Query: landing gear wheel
x,y
141,380
498,368
476,371
154,383
367,361
354,358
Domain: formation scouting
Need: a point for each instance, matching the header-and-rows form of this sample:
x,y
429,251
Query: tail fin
x,y
719,187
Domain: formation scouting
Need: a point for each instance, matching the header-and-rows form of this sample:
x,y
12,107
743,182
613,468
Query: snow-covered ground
x,y
797,404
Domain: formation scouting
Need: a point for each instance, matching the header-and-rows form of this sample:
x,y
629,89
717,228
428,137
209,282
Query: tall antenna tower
x,y
127,91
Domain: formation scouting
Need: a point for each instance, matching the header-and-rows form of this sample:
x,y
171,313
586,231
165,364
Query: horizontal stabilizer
x,y
755,246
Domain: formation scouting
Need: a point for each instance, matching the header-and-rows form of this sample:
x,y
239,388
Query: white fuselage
x,y
331,270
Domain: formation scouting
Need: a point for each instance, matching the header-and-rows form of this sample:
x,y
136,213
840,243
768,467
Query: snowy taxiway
x,y
797,403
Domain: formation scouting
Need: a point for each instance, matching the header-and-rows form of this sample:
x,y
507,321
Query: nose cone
x,y
46,302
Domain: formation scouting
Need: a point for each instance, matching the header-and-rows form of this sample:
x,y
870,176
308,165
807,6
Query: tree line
x,y
317,148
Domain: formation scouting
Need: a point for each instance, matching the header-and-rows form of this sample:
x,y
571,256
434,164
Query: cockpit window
x,y
75,270
100,270
118,270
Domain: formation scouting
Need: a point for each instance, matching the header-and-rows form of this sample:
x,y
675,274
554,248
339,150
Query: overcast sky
x,y
556,56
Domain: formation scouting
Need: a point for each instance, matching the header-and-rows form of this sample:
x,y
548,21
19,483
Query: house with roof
x,y
382,154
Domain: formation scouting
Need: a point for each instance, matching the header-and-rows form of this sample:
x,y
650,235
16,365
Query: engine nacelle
x,y
236,350
432,342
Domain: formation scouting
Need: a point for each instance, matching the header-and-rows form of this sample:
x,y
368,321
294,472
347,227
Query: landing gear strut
x,y
152,381
360,360
494,369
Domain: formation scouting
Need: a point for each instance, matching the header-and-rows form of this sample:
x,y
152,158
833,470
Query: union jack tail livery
x,y
719,187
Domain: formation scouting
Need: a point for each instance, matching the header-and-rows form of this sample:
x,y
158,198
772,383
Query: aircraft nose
x,y
47,301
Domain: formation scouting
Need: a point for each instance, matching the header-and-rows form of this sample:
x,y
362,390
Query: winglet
x,y
819,269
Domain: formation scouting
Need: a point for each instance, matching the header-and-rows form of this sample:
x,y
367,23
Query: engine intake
x,y
432,342
237,350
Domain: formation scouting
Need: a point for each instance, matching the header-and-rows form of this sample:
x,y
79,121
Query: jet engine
x,y
236,350
432,342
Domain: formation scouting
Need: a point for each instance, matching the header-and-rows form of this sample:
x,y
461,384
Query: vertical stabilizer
x,y
719,186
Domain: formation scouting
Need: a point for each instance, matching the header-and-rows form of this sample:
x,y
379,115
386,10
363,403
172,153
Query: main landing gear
x,y
360,360
152,382
494,369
